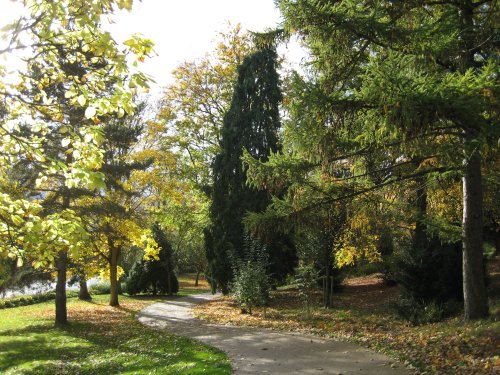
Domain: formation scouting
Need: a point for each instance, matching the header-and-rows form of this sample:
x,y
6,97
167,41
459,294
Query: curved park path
x,y
258,351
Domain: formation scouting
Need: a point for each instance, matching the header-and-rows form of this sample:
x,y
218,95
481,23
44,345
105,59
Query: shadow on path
x,y
260,351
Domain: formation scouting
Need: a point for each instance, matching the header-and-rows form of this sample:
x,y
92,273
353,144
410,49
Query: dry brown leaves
x,y
361,313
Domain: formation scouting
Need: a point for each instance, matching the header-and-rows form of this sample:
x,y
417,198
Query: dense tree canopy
x,y
251,124
387,151
75,75
398,89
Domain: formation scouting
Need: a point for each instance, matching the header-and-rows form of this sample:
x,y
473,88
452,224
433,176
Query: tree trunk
x,y
475,297
84,291
61,310
327,293
197,278
420,240
113,272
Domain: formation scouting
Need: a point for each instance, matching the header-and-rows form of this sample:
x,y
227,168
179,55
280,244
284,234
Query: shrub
x,y
430,275
306,279
419,312
30,300
251,282
101,287
150,277
155,276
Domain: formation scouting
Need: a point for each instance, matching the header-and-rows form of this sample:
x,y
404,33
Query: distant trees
x,y
157,275
115,217
184,138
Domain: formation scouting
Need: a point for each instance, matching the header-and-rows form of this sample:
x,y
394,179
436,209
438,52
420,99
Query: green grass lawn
x,y
99,340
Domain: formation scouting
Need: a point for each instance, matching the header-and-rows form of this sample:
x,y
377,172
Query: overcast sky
x,y
185,29
181,29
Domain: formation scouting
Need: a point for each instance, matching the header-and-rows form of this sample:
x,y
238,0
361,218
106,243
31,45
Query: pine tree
x,y
415,75
251,124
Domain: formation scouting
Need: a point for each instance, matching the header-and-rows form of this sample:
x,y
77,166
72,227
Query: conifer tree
x,y
155,276
411,78
251,124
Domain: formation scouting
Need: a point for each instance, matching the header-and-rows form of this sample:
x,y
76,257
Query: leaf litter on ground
x,y
363,313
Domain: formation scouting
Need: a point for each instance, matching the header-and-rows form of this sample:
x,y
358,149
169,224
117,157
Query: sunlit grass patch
x,y
99,340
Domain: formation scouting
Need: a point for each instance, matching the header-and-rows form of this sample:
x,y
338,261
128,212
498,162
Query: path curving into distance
x,y
263,351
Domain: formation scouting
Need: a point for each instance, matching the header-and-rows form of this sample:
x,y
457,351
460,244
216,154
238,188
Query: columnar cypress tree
x,y
251,123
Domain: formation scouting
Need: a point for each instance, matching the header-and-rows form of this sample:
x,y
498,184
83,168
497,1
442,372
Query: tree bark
x,y
62,265
197,278
327,292
84,294
420,240
475,296
113,273
61,310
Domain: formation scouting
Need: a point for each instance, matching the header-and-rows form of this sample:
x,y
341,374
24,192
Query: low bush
x,y
101,287
148,276
30,300
420,312
251,283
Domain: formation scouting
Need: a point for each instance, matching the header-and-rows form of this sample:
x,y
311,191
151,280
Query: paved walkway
x,y
258,351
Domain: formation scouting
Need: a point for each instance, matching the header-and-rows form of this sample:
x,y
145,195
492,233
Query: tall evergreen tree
x,y
419,75
251,124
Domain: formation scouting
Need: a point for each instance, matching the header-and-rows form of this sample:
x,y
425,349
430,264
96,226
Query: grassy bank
x,y
99,340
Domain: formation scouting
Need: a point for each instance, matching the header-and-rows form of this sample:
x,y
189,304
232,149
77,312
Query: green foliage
x,y
74,66
99,288
430,274
31,299
251,280
306,277
157,275
146,277
251,124
195,104
74,77
394,95
419,312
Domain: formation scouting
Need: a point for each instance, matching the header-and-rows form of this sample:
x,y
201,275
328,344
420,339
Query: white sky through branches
x,y
181,29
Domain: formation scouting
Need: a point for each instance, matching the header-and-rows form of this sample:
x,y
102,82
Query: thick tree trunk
x,y
61,310
475,297
113,279
84,290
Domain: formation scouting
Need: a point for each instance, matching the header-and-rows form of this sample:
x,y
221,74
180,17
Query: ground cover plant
x,y
364,312
99,340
